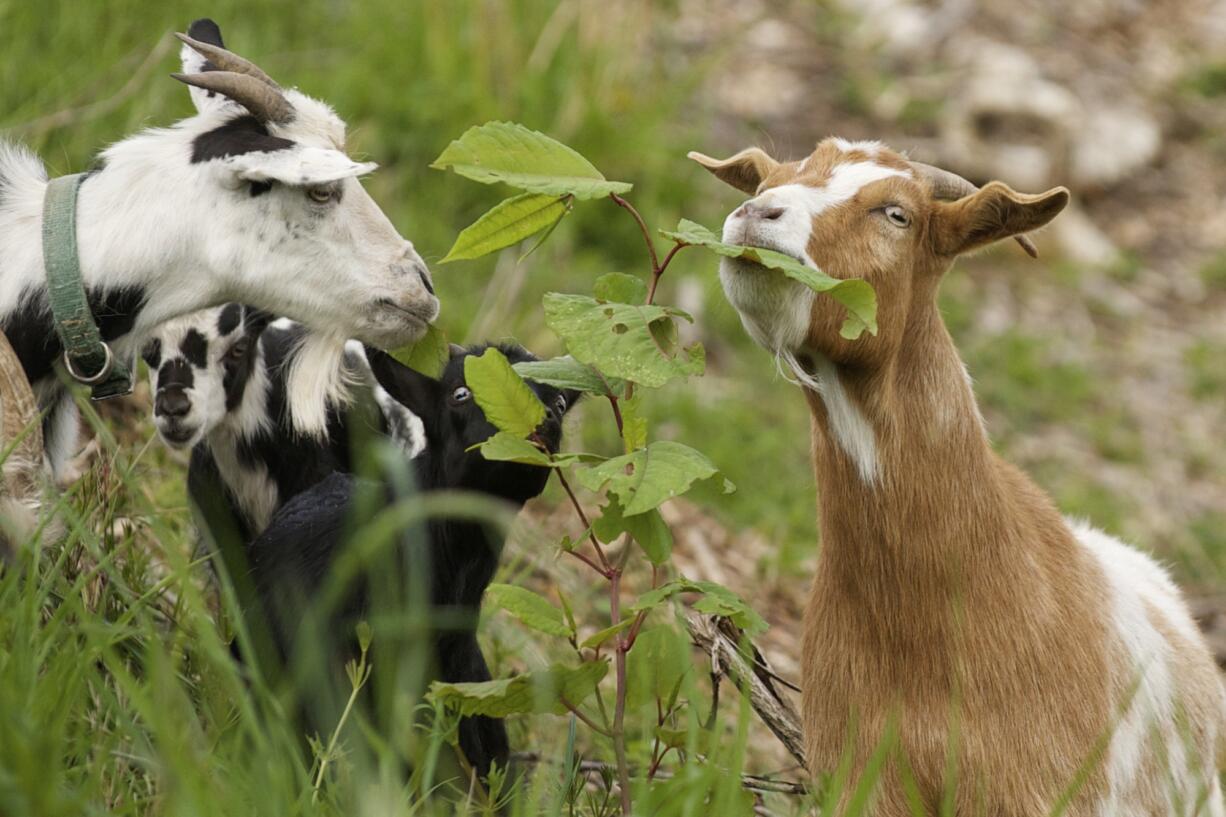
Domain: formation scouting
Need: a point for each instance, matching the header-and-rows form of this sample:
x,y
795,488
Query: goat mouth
x,y
420,317
176,435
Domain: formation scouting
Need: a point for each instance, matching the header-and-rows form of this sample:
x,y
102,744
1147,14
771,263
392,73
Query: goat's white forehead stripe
x,y
867,146
845,182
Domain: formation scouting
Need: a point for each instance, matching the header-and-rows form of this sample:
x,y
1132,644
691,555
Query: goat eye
x,y
897,216
461,395
236,351
560,404
320,195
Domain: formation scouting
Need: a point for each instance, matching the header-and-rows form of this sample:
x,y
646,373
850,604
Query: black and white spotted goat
x,y
251,199
221,385
219,382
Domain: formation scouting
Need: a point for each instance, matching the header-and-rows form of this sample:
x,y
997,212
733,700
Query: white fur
x,y
1150,718
192,236
852,430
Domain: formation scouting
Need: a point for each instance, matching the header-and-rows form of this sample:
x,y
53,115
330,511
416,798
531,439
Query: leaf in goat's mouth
x,y
853,293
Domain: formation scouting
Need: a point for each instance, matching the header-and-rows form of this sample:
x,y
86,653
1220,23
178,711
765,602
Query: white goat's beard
x,y
318,379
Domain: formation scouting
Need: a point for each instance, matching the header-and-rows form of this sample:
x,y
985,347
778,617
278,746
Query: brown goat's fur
x,y
953,606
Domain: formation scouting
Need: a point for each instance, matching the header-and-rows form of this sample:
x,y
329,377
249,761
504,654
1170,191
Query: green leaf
x,y
648,529
567,373
620,288
716,600
645,478
502,394
634,424
533,610
510,153
539,692
429,355
659,659
506,447
596,639
853,293
622,340
509,222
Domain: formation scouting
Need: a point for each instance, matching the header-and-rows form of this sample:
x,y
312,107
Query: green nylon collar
x,y
87,357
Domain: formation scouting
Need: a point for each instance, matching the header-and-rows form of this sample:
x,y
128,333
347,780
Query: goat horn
x,y
227,60
946,185
21,478
264,101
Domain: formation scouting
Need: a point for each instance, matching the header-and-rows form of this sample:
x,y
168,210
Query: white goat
x,y
1026,664
251,199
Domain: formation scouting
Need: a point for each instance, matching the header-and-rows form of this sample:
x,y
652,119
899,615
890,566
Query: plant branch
x,y
651,247
606,567
619,706
591,724
753,782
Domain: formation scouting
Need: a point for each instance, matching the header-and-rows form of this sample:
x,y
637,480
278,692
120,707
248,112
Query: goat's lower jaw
x,y
848,425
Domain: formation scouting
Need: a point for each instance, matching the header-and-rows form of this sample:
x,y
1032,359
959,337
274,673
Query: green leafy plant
x,y
620,345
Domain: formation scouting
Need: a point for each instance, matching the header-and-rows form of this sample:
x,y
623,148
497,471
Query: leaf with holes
x,y
510,153
715,600
645,478
855,295
508,223
502,394
428,356
567,373
547,691
533,610
632,342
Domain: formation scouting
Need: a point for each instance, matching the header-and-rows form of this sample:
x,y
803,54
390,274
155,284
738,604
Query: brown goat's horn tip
x,y
1027,245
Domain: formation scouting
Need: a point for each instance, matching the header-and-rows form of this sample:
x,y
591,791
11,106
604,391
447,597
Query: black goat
x,y
291,559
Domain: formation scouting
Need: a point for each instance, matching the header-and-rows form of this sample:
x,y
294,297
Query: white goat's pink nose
x,y
759,211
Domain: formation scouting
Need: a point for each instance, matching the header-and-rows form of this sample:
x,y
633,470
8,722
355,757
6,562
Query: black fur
x,y
243,134
195,347
31,329
206,31
290,560
229,319
152,353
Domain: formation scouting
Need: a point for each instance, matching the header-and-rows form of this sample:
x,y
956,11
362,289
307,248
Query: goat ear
x,y
206,31
297,166
744,171
410,388
995,212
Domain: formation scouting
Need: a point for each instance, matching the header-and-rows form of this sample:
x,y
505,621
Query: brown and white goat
x,y
1018,657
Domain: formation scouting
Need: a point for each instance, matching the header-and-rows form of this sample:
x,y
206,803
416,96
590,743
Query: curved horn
x,y
21,477
947,185
227,60
264,101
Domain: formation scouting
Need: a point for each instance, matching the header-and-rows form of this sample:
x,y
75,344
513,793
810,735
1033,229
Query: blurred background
x,y
1101,367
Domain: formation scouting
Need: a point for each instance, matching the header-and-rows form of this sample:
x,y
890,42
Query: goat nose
x,y
172,403
424,275
759,211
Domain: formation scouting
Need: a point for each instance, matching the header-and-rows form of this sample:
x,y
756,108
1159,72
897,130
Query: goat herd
x,y
952,606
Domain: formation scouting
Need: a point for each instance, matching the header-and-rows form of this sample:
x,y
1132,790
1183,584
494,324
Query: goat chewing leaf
x,y
623,340
555,690
854,294
502,394
533,610
508,222
645,478
526,159
428,356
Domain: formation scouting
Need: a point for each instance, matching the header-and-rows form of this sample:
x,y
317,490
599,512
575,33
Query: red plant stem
x,y
619,708
617,414
605,566
586,720
638,620
651,247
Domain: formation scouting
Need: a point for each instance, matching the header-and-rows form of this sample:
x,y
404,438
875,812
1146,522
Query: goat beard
x,y
318,380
